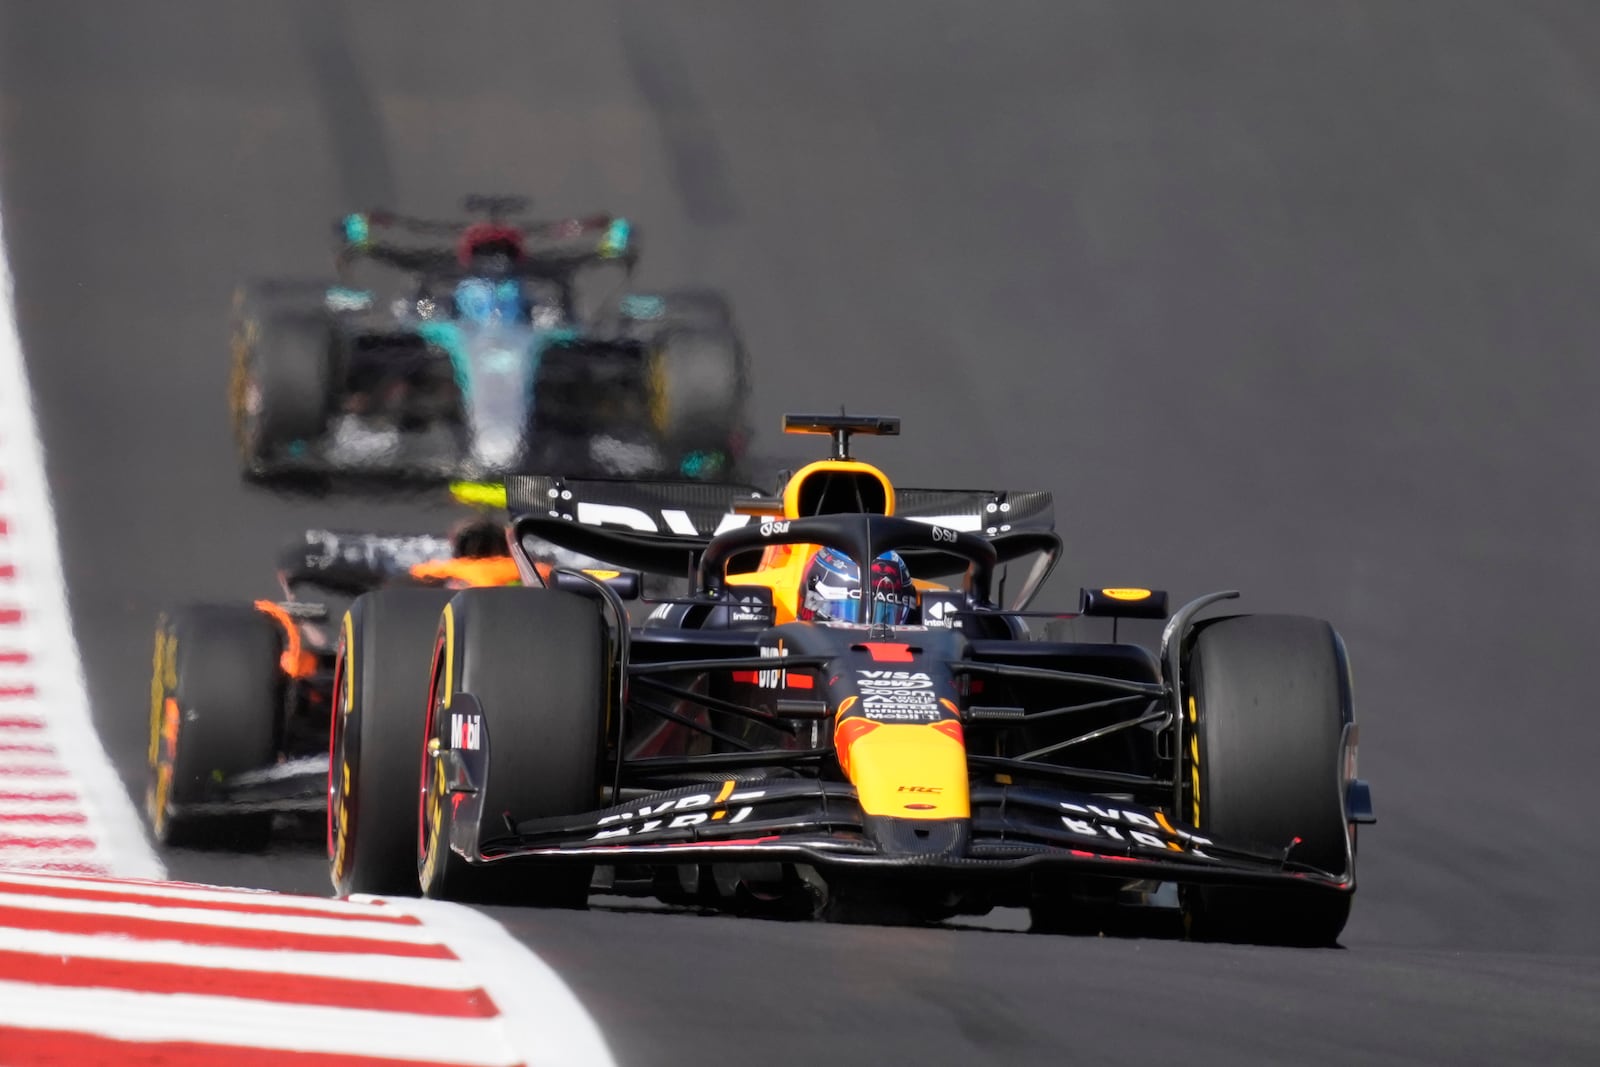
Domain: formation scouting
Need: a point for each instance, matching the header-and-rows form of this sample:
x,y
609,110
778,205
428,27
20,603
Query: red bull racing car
x,y
843,714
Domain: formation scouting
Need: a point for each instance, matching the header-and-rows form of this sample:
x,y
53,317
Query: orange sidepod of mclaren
x,y
469,573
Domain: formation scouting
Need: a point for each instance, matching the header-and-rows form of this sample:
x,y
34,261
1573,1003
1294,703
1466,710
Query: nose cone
x,y
914,771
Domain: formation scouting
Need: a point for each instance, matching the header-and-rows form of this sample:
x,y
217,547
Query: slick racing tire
x,y
536,662
379,707
216,698
698,389
1269,698
281,387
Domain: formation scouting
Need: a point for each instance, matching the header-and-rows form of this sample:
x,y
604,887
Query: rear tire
x,y
216,702
1271,697
379,708
281,388
698,390
537,662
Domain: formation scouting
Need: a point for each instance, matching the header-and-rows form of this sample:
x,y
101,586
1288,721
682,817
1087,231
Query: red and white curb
x,y
104,971
131,970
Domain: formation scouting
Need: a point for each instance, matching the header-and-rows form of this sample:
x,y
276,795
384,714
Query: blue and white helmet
x,y
485,300
833,590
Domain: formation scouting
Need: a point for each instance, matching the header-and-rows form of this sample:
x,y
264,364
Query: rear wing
x,y
552,248
350,563
659,527
663,527
990,512
1021,524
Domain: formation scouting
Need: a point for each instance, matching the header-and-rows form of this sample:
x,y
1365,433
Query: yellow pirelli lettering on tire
x,y
449,656
158,689
349,680
1194,760
656,378
433,815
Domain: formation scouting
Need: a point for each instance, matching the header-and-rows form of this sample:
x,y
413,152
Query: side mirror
x,y
624,583
1123,603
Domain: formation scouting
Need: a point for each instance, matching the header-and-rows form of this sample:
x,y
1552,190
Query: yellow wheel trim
x,y
449,619
1194,789
659,409
161,790
163,678
433,813
341,839
163,719
433,799
244,339
349,664
345,700
1194,760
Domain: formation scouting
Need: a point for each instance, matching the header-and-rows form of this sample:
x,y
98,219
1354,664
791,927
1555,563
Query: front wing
x,y
1012,828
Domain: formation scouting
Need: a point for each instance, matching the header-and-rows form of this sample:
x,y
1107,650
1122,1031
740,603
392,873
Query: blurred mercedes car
x,y
477,346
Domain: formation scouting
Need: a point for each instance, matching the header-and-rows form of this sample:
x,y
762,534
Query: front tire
x,y
537,662
1269,701
281,386
216,698
698,390
379,708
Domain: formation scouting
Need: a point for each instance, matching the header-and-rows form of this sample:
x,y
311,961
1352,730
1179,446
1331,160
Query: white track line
x,y
67,833
41,805
233,920
435,974
38,588
263,899
257,1024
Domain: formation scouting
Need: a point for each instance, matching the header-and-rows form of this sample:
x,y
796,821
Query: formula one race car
x,y
240,693
823,727
490,358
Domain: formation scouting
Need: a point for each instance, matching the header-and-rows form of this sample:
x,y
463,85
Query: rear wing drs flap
x,y
659,527
552,247
663,527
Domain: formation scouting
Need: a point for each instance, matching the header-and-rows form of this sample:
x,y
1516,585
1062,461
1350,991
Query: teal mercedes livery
x,y
481,347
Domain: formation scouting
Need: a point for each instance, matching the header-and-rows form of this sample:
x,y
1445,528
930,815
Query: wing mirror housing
x,y
1123,603
626,584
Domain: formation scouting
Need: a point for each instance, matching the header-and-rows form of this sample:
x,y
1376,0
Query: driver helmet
x,y
478,539
833,590
488,248
482,300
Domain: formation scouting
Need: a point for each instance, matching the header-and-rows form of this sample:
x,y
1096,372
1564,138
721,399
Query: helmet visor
x,y
835,594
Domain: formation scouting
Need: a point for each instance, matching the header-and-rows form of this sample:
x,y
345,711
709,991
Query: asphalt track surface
x,y
1292,298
